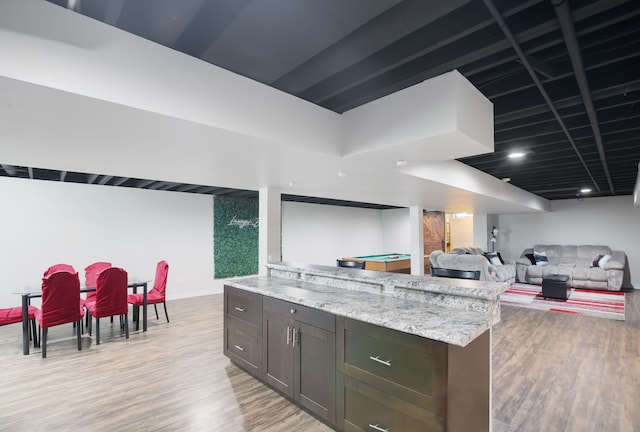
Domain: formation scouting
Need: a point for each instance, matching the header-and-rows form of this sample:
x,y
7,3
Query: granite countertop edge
x,y
483,290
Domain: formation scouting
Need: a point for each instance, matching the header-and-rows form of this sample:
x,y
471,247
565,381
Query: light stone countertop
x,y
446,324
390,283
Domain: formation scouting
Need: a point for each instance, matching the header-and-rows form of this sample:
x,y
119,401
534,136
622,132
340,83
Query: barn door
x,y
433,226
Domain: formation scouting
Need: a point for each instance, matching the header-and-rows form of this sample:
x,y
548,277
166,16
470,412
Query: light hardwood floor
x,y
552,372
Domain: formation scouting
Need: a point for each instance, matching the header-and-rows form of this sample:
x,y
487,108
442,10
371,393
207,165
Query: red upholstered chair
x,y
60,304
14,315
91,273
110,299
157,293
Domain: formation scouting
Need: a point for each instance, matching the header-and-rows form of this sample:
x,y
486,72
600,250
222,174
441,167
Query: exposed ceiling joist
x,y
566,25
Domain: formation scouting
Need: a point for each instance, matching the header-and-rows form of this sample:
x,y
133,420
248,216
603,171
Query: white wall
x,y
320,234
461,232
46,222
396,231
611,221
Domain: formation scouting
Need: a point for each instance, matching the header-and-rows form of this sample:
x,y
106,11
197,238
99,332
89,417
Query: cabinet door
x,y
315,370
278,352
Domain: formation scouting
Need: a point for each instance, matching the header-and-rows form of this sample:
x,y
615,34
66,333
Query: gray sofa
x,y
473,259
576,262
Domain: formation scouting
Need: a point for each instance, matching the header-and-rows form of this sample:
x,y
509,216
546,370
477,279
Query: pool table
x,y
393,262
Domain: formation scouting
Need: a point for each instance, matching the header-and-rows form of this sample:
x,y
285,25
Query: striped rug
x,y
599,304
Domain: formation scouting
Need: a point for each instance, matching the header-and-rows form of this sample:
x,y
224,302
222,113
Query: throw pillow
x,y
493,258
541,258
531,258
599,260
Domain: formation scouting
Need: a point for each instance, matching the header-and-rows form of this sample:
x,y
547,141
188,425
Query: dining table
x,y
29,293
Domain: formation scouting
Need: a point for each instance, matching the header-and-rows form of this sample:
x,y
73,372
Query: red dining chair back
x,y
110,299
59,267
91,273
60,304
160,281
157,293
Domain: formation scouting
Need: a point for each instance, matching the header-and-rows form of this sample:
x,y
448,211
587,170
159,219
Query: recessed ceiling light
x,y
516,155
585,190
401,163
342,174
291,184
506,179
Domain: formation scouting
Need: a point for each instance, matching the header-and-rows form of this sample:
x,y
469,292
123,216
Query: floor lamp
x,y
493,237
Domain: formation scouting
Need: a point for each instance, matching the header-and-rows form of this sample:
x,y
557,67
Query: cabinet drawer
x,y
365,408
408,366
314,317
244,305
244,349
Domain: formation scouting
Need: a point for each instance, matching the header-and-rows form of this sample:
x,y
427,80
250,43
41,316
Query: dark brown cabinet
x,y
357,376
393,381
299,355
389,380
243,329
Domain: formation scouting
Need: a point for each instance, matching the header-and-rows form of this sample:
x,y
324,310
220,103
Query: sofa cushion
x,y
531,258
600,260
493,258
468,250
541,258
589,251
540,271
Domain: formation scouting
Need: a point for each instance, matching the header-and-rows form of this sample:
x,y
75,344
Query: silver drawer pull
x,y
379,360
238,347
239,309
295,336
288,335
378,428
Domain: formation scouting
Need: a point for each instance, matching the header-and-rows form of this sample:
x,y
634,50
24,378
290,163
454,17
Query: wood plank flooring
x,y
552,372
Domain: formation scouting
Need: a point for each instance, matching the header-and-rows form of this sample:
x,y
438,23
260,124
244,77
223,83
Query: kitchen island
x,y
365,350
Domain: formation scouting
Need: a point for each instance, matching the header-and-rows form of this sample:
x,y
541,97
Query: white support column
x,y
269,231
416,231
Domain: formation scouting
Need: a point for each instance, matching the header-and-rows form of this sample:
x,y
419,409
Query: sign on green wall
x,y
235,236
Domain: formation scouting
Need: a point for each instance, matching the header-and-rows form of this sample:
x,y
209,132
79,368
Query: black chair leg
x,y
165,311
78,335
44,342
35,333
97,331
126,325
156,308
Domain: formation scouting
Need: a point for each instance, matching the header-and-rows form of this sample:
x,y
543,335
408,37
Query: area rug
x,y
599,304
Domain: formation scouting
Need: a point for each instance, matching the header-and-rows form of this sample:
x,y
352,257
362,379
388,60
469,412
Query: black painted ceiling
x,y
564,76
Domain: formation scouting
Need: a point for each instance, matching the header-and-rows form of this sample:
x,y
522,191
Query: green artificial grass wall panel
x,y
235,236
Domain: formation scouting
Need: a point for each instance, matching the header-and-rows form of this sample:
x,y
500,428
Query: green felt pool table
x,y
392,262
